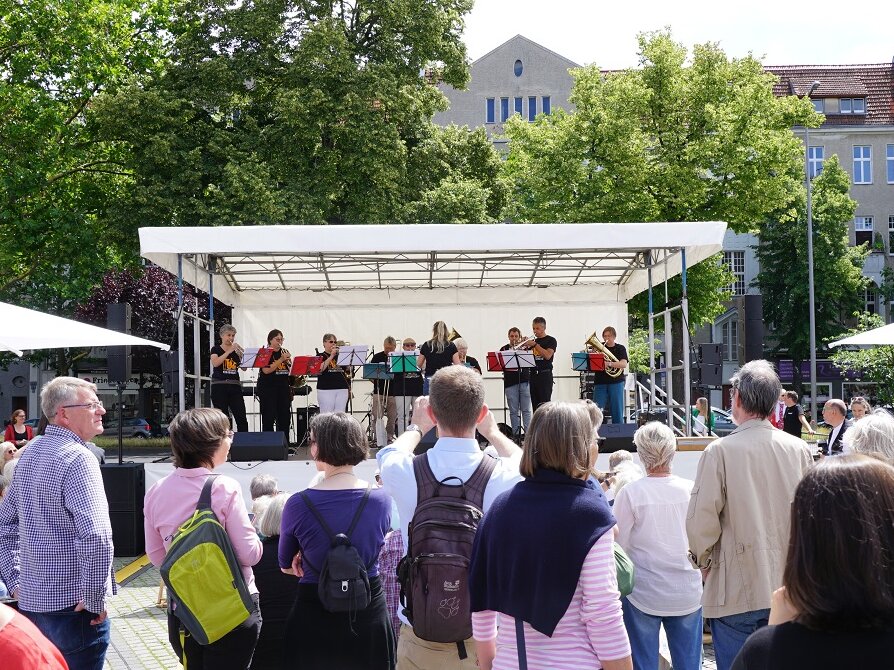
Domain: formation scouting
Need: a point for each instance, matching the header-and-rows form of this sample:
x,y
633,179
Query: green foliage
x,y
638,350
783,278
872,364
702,139
291,112
56,58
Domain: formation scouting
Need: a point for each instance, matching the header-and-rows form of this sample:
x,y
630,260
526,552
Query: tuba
x,y
454,335
594,342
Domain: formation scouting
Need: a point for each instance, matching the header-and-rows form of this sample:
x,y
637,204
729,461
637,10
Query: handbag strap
x,y
520,644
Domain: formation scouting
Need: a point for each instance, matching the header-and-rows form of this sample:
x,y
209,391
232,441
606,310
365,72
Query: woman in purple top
x,y
317,638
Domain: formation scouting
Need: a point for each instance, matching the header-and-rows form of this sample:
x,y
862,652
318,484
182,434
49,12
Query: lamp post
x,y
810,286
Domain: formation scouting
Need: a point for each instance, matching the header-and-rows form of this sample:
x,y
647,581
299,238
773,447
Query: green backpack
x,y
206,589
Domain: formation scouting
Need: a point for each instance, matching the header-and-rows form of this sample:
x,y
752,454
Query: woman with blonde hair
x,y
860,407
704,417
543,572
437,353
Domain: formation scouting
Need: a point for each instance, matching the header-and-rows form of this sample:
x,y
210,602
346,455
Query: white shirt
x,y
651,515
450,457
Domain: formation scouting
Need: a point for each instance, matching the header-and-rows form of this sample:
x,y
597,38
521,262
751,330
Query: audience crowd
x,y
785,554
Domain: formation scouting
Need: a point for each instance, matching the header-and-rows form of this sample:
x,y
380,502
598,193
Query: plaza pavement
x,y
139,626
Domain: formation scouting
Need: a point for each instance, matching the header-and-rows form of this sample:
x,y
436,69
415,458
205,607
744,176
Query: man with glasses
x,y
739,512
55,535
407,387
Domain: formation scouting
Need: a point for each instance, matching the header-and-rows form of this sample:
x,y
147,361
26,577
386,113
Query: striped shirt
x,y
55,534
591,629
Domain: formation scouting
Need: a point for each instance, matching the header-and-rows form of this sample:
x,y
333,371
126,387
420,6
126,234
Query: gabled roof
x,y
875,82
522,38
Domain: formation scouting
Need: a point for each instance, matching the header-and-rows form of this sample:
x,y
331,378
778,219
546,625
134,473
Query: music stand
x,y
588,361
306,365
517,360
351,356
402,362
256,357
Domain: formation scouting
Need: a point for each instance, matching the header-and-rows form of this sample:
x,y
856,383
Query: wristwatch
x,y
413,426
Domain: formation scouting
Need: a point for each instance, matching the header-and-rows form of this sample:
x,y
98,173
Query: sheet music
x,y
352,355
249,356
515,359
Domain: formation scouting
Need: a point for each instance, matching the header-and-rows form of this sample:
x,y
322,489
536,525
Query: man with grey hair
x,y
739,513
263,485
835,416
384,402
55,535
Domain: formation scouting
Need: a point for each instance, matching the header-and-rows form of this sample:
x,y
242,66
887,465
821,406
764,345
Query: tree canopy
x,y
680,138
871,364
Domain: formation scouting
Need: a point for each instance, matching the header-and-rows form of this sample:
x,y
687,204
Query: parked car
x,y
138,427
33,423
723,421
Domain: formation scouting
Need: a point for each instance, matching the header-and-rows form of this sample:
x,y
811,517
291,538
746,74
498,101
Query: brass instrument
x,y
454,335
594,342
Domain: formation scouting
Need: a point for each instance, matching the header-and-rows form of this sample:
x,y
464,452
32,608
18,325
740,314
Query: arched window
x,y
518,68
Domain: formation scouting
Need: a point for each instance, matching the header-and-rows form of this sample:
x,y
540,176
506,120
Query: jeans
x,y
518,397
610,397
82,644
730,633
684,637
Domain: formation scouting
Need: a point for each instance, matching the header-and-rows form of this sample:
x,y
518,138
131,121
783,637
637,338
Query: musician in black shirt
x,y
608,391
517,388
383,403
273,387
226,387
544,347
334,382
407,387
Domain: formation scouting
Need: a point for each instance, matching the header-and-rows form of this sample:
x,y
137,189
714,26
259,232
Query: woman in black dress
x,y
273,387
437,353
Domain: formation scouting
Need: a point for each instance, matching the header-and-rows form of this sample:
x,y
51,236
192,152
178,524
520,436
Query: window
x,y
735,261
518,68
891,235
504,109
852,105
889,162
869,299
532,109
863,230
518,105
545,104
490,114
819,105
730,340
862,165
815,158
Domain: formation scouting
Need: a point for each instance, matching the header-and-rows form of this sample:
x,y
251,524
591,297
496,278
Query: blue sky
x,y
604,33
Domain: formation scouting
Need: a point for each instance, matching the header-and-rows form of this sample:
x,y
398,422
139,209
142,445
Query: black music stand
x,y
307,366
402,362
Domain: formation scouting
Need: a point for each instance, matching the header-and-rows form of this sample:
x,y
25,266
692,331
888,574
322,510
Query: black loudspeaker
x,y
125,486
270,446
118,318
709,353
616,437
303,417
754,328
170,371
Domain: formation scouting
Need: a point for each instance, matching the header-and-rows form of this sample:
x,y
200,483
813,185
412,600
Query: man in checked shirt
x,y
55,535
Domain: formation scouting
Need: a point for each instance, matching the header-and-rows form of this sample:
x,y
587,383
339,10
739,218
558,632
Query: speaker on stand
x,y
125,487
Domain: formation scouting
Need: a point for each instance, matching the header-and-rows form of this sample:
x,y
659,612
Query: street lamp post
x,y
810,285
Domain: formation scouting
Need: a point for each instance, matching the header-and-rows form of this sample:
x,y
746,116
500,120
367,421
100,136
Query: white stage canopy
x,y
882,336
22,328
365,282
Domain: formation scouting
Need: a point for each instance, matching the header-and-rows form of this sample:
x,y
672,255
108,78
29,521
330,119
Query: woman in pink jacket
x,y
200,440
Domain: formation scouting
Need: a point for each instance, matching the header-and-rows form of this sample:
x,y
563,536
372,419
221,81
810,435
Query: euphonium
x,y
454,335
594,342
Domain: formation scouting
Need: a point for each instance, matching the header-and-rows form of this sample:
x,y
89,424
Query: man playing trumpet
x,y
544,347
226,387
608,389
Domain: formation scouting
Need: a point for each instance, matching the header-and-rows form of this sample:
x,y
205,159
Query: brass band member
x,y
608,392
383,397
226,388
462,347
273,387
334,382
516,386
437,353
544,347
407,386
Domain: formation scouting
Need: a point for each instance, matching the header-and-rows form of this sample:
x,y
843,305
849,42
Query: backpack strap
x,y
205,496
426,482
428,486
325,525
477,483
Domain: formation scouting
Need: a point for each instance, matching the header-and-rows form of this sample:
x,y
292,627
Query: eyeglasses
x,y
330,341
92,406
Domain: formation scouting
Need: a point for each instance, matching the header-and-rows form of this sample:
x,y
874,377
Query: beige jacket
x,y
739,515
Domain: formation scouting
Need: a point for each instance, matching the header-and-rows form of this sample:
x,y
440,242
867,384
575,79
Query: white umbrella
x,y
876,337
22,328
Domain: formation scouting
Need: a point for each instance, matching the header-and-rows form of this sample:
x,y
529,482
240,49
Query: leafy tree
x,y
872,364
290,112
702,139
783,277
56,58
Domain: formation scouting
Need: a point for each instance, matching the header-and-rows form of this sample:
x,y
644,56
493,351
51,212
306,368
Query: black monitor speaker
x,y
270,446
125,487
616,437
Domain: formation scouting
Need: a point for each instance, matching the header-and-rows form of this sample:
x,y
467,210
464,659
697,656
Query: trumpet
x,y
238,348
594,342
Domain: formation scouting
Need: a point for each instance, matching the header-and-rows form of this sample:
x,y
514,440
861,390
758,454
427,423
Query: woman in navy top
x,y
316,637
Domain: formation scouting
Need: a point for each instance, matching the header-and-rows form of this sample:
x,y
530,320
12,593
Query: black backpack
x,y
344,582
434,574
